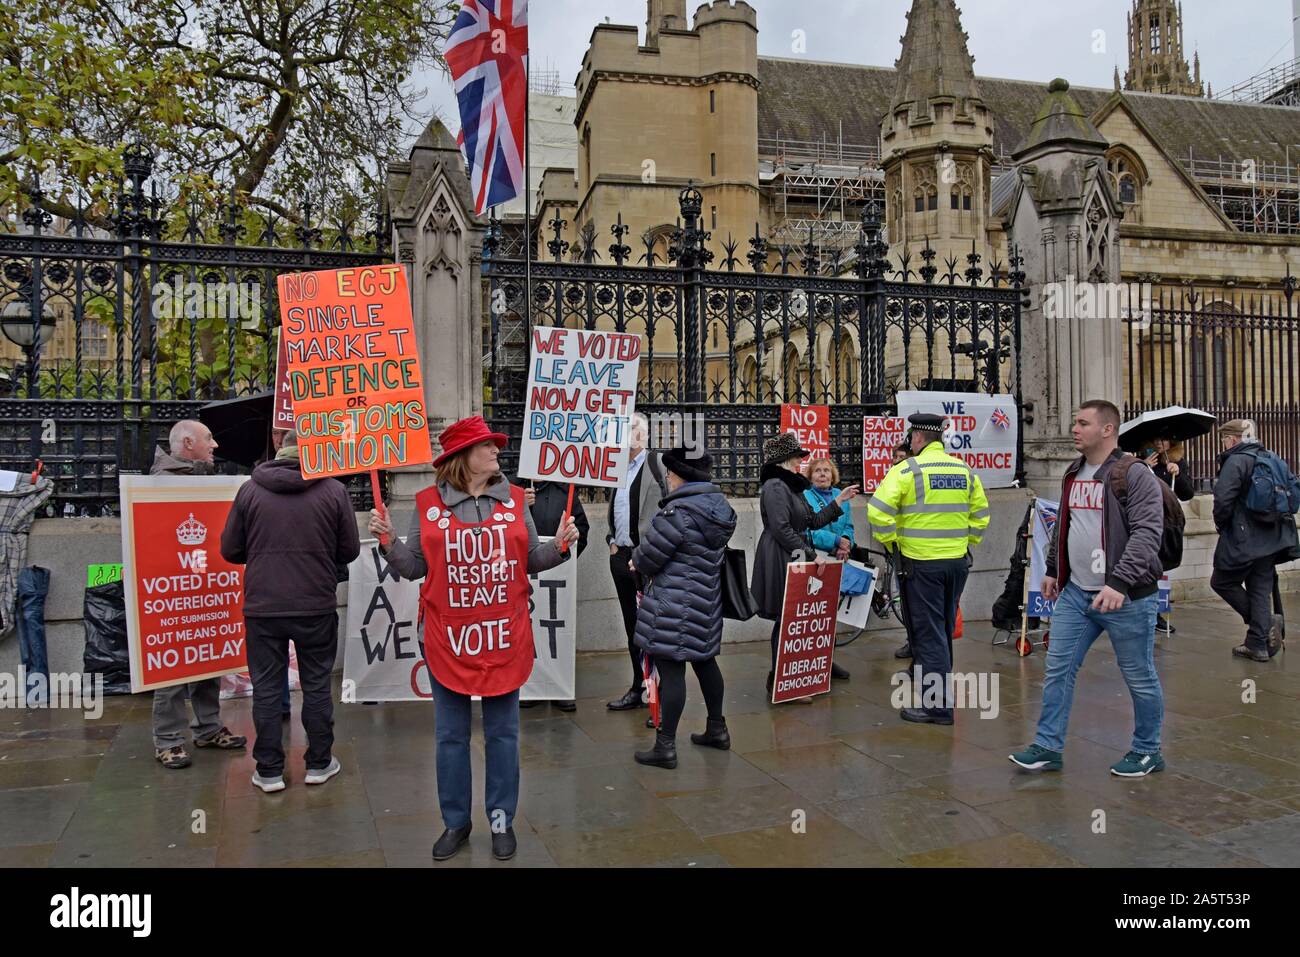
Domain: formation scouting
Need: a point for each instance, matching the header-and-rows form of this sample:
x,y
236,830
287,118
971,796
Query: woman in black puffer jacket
x,y
786,517
680,617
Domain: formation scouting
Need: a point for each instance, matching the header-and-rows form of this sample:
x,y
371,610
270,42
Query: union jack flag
x,y
487,53
999,418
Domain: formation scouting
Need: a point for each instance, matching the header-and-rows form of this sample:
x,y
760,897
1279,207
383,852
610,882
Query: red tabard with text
x,y
811,425
478,634
880,436
191,600
807,639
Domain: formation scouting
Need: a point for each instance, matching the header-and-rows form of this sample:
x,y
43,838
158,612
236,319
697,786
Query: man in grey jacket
x,y
190,447
1249,548
631,509
1103,571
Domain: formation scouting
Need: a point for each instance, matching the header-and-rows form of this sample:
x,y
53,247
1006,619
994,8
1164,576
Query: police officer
x,y
933,508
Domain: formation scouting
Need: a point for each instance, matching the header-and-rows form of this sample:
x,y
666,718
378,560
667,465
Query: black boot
x,y
905,651
841,674
770,676
714,736
664,754
452,840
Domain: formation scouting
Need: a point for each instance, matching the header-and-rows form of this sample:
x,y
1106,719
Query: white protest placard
x,y
383,656
579,405
981,430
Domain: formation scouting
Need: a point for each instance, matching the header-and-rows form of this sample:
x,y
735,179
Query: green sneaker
x,y
1038,758
1135,764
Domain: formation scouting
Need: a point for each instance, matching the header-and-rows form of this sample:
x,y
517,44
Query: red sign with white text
x,y
806,642
811,425
189,601
282,411
880,436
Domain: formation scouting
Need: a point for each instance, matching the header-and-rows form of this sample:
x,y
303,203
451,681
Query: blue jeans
x,y
33,586
501,746
1075,626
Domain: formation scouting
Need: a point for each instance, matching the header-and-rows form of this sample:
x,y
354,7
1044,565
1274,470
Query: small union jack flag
x,y
999,418
487,53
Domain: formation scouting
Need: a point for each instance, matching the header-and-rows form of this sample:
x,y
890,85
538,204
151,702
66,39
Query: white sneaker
x,y
269,785
324,774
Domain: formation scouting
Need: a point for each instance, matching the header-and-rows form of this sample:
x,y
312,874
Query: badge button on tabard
x,y
433,514
443,523
498,517
510,503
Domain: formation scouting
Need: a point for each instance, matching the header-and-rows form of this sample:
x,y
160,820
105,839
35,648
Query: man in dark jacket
x,y
190,448
1249,548
292,534
547,501
630,510
1103,571
680,618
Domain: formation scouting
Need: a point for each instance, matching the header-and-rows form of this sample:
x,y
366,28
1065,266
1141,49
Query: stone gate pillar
x,y
440,241
1064,218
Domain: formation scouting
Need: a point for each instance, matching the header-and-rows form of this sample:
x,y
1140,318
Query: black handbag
x,y
737,602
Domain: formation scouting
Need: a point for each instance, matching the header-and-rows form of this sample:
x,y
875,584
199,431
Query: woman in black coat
x,y
680,616
786,517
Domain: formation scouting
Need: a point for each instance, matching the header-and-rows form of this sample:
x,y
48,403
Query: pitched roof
x,y
807,99
935,61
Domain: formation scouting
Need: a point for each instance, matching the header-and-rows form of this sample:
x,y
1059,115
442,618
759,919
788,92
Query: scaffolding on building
x,y
1258,197
818,188
1278,86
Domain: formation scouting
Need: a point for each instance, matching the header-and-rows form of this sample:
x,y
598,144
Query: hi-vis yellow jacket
x,y
932,506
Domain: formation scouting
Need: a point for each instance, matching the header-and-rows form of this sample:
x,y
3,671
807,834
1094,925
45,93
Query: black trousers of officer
x,y
930,596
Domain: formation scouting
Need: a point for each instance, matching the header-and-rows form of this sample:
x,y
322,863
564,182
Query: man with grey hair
x,y
190,448
1252,542
631,509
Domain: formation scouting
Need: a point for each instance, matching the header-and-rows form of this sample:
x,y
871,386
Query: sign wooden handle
x,y
379,502
568,509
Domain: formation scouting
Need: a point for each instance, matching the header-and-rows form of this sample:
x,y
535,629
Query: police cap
x,y
926,422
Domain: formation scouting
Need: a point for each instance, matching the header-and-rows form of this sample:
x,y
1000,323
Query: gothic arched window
x,y
1127,175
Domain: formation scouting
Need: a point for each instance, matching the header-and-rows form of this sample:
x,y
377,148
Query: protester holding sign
x,y
477,545
190,447
680,618
292,534
786,517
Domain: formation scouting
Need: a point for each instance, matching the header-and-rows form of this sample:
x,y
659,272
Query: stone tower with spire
x,y
937,143
1156,61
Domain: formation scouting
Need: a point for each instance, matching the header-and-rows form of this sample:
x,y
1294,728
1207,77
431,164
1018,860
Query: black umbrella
x,y
1173,423
242,428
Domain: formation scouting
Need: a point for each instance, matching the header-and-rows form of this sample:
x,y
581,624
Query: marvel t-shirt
x,y
1083,536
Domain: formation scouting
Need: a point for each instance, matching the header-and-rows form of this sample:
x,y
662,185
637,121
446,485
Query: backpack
x,y
1273,493
1171,539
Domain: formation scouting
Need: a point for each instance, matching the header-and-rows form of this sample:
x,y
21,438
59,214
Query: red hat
x,y
461,435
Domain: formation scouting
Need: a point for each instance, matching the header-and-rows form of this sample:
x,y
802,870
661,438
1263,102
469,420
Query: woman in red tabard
x,y
476,548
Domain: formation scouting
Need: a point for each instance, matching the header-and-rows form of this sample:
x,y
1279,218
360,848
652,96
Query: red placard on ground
x,y
811,424
282,414
354,370
880,436
184,602
806,642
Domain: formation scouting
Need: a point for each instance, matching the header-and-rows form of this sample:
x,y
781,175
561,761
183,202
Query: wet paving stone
x,y
836,782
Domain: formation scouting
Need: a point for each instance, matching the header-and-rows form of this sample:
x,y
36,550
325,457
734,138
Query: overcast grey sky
x,y
1016,39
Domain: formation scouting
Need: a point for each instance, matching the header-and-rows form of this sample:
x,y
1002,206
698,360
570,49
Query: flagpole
x,y
528,199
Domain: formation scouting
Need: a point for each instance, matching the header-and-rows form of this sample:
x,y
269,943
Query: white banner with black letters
x,y
383,657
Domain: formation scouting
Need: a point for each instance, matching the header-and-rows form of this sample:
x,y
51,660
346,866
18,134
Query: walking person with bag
x,y
680,618
1103,571
787,516
1255,500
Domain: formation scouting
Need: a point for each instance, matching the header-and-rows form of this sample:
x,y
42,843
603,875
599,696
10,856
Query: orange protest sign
x,y
354,372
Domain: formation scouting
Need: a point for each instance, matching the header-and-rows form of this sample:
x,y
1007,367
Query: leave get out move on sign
x,y
578,412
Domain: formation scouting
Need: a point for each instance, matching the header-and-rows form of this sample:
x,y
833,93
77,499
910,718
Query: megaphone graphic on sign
x,y
814,585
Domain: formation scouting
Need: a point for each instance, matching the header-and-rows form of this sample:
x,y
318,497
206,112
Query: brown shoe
x,y
173,758
223,739
1243,651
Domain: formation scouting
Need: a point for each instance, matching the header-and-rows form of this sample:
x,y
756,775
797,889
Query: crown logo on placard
x,y
191,531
